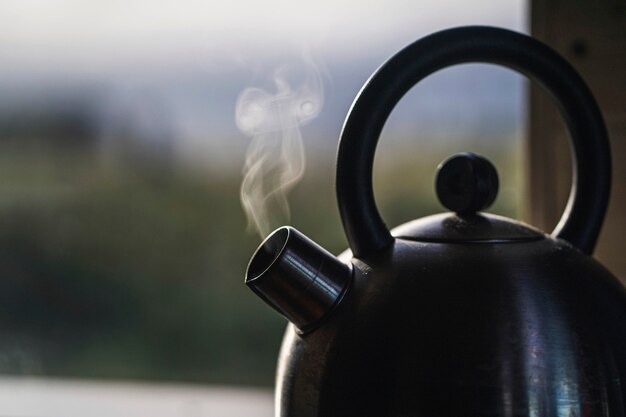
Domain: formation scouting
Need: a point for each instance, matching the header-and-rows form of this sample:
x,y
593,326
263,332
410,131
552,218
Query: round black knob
x,y
466,183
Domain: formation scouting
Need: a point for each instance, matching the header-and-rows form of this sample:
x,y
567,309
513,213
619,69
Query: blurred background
x,y
123,241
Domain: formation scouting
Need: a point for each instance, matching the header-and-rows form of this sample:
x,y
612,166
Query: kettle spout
x,y
297,277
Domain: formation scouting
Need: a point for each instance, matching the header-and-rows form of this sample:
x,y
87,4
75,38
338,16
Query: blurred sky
x,y
98,34
186,61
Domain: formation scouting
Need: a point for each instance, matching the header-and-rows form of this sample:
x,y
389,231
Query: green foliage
x,y
132,271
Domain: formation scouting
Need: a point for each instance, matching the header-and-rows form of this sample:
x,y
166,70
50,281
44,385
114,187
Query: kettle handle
x,y
583,216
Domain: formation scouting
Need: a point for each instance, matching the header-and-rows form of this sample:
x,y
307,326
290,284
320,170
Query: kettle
x,y
456,314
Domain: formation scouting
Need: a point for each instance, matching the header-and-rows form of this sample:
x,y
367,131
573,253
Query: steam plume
x,y
275,159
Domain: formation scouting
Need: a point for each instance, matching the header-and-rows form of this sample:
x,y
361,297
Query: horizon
x,y
180,67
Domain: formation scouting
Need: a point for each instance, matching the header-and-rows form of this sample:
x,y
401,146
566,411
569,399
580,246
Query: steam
x,y
275,160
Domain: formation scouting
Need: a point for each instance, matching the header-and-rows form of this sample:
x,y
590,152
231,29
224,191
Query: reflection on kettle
x,y
461,313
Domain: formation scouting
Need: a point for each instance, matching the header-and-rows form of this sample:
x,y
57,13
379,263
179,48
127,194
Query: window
x,y
123,242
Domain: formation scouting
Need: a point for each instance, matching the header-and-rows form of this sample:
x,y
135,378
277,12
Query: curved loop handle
x,y
583,216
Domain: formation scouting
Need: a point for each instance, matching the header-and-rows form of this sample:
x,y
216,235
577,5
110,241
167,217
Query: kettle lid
x,y
466,183
473,228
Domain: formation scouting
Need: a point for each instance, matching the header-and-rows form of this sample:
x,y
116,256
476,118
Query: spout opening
x,y
297,277
267,253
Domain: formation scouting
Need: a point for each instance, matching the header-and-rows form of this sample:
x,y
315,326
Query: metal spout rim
x,y
257,256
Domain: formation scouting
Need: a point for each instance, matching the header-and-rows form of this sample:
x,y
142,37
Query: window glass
x,y
126,130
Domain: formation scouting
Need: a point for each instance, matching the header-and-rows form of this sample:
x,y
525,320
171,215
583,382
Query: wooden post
x,y
592,36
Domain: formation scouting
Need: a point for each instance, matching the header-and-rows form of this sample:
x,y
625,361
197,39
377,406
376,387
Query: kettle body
x,y
476,329
462,313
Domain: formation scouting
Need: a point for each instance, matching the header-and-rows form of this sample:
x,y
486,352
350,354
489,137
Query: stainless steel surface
x,y
297,277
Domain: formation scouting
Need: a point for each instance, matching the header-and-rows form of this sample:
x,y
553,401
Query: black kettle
x,y
456,314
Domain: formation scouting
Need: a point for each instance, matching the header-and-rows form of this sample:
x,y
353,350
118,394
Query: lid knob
x,y
466,183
